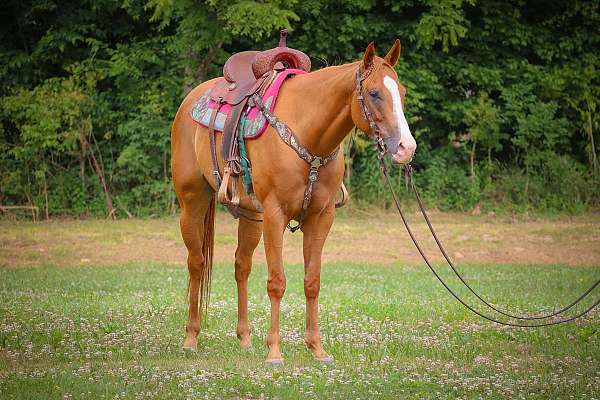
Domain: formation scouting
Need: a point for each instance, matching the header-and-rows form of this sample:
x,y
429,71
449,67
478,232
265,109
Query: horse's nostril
x,y
402,149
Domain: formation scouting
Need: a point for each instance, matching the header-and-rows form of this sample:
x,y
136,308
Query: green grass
x,y
115,332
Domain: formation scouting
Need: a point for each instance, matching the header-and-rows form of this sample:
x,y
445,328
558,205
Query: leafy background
x,y
502,95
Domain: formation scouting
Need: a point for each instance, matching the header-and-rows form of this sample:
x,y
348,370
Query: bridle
x,y
381,149
382,145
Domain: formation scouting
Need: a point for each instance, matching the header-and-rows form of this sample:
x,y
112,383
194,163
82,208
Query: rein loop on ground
x,y
447,258
470,308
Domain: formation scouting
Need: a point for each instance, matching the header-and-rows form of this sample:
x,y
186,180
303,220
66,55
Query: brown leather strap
x,y
213,144
229,145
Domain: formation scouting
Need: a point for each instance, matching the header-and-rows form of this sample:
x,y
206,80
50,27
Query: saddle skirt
x,y
252,123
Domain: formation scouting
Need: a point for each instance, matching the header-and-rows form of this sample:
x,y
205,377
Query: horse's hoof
x,y
325,360
245,344
274,362
189,345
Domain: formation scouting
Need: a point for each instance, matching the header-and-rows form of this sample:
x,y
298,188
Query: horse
x,y
321,108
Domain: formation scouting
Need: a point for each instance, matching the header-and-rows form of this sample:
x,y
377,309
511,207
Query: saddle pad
x,y
253,121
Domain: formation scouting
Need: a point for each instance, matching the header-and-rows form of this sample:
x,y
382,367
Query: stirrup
x,y
231,203
224,195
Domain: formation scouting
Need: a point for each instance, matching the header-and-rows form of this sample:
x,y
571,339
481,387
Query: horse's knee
x,y
276,286
312,286
242,270
243,263
195,264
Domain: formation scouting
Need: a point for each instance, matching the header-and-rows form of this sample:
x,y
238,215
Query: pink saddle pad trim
x,y
255,121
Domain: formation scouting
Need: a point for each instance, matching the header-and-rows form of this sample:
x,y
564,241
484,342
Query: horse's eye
x,y
374,94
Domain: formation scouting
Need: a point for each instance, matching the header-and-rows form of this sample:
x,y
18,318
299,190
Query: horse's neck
x,y
322,106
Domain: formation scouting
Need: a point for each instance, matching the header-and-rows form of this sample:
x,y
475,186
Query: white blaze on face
x,y
406,137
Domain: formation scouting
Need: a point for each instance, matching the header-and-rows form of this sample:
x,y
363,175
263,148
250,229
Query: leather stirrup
x,y
223,195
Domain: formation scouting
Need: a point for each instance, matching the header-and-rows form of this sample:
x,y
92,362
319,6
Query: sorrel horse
x,y
321,108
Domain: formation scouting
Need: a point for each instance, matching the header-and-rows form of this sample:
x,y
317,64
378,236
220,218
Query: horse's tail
x,y
208,245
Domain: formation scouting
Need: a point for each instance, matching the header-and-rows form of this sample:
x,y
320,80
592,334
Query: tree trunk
x,y
198,75
110,209
33,207
82,162
588,128
46,197
527,182
472,158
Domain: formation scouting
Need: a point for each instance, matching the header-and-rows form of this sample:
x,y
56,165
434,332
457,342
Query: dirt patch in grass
x,y
379,238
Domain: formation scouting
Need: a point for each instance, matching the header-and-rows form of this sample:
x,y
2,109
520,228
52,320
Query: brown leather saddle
x,y
244,74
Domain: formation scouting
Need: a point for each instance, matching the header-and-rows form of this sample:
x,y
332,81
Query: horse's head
x,y
378,107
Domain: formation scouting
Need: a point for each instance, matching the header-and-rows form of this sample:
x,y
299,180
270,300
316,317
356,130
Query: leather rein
x,y
540,319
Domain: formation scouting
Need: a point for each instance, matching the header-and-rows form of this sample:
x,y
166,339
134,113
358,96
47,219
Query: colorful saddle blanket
x,y
252,123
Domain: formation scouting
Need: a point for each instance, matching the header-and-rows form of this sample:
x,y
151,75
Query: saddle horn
x,y
283,38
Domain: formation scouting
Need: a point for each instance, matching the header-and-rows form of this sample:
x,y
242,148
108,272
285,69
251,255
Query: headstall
x,y
380,147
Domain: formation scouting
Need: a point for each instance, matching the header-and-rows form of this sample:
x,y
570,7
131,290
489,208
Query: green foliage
x,y
448,186
257,19
444,22
483,121
502,101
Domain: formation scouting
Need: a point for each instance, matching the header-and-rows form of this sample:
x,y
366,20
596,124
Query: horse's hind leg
x,y
249,234
197,229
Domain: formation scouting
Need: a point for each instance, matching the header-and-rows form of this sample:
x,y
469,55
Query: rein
x,y
469,307
381,149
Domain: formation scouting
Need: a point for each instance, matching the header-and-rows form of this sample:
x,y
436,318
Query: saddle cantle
x,y
246,66
238,67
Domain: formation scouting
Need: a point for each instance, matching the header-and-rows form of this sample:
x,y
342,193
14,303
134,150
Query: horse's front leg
x,y
273,227
249,234
316,229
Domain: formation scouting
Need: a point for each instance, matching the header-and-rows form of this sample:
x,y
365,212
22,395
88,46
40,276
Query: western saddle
x,y
244,74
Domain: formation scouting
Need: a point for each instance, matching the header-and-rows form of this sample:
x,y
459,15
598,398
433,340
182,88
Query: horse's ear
x,y
394,54
369,56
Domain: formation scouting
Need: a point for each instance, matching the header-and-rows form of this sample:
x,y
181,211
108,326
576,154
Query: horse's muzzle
x,y
404,153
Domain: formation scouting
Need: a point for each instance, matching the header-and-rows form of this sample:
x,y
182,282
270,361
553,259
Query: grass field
x,y
102,325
